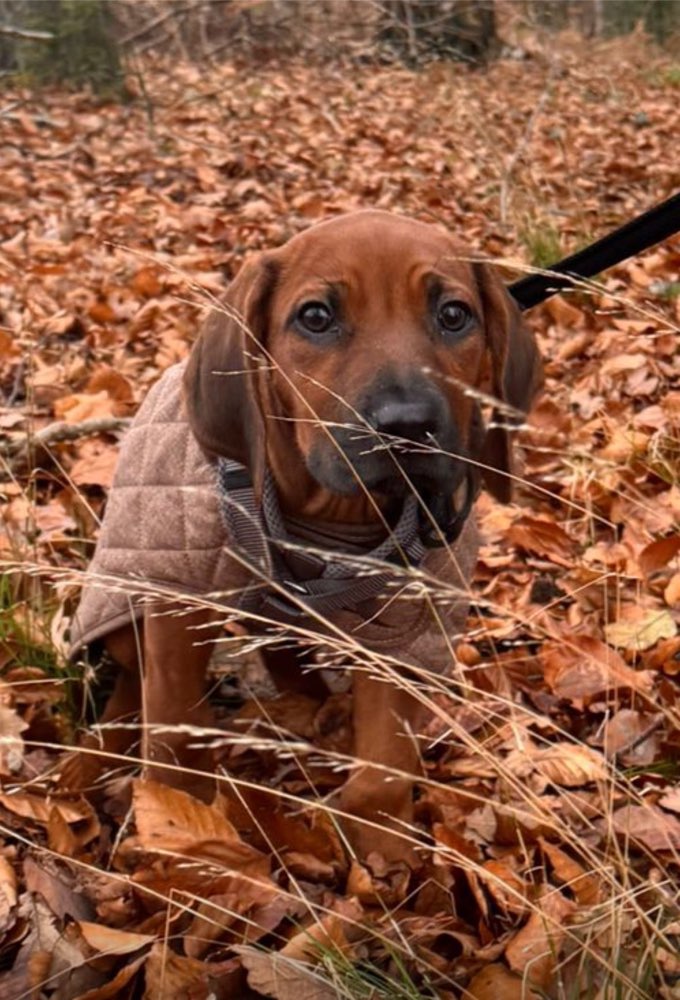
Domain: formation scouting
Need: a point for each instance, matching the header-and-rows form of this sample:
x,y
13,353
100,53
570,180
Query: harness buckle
x,y
279,602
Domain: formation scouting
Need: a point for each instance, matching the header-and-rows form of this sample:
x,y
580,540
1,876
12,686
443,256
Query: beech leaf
x,y
642,633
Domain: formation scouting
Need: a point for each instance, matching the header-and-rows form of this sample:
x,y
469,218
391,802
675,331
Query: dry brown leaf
x,y
295,835
8,345
624,445
581,667
174,822
167,974
115,384
258,210
60,837
665,656
642,631
333,931
62,899
574,346
624,363
564,312
96,465
566,764
534,951
53,521
283,978
378,881
657,554
8,894
293,712
11,742
86,406
671,594
545,538
449,836
482,823
261,904
113,989
505,885
495,982
648,825
671,799
146,282
31,686
46,954
213,919
308,866
101,312
587,888
440,939
76,833
112,941
669,962
64,324
632,734
38,808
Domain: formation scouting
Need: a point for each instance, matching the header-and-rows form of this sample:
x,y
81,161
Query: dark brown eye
x,y
454,317
315,317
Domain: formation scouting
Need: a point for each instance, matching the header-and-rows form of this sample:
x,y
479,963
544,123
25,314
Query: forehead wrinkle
x,y
455,263
375,270
455,284
316,283
383,287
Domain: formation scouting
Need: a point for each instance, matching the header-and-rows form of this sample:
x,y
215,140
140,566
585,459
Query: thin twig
x,y
138,33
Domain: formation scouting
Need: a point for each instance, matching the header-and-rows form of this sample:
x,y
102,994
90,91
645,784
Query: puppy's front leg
x,y
383,714
116,733
177,648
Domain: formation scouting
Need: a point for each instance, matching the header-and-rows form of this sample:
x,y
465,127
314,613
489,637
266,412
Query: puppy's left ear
x,y
517,374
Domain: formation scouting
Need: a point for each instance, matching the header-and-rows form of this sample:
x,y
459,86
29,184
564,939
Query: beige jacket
x,y
163,534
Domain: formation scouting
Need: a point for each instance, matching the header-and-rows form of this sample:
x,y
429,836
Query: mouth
x,y
411,478
390,473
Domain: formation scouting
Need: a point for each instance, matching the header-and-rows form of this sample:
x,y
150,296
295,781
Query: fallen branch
x,y
34,36
62,431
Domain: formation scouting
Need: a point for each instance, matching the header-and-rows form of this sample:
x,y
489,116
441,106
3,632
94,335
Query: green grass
x,y
543,243
668,291
671,76
18,639
367,981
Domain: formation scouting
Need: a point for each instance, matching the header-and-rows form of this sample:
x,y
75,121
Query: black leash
x,y
627,241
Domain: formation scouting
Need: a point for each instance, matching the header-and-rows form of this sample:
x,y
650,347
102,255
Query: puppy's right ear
x,y
219,381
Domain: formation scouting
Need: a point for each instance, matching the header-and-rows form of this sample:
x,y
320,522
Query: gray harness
x,y
320,580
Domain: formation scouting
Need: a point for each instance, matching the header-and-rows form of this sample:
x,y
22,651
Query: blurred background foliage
x,y
87,42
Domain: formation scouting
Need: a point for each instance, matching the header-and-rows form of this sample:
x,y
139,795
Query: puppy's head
x,y
361,343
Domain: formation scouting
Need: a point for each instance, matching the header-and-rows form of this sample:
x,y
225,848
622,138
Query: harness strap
x,y
323,583
628,240
241,516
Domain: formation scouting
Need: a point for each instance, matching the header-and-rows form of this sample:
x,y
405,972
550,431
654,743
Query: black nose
x,y
415,420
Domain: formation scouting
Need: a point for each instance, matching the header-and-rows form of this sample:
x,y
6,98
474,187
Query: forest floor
x,y
553,815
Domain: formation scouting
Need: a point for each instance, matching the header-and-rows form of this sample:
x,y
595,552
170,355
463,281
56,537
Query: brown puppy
x,y
343,374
